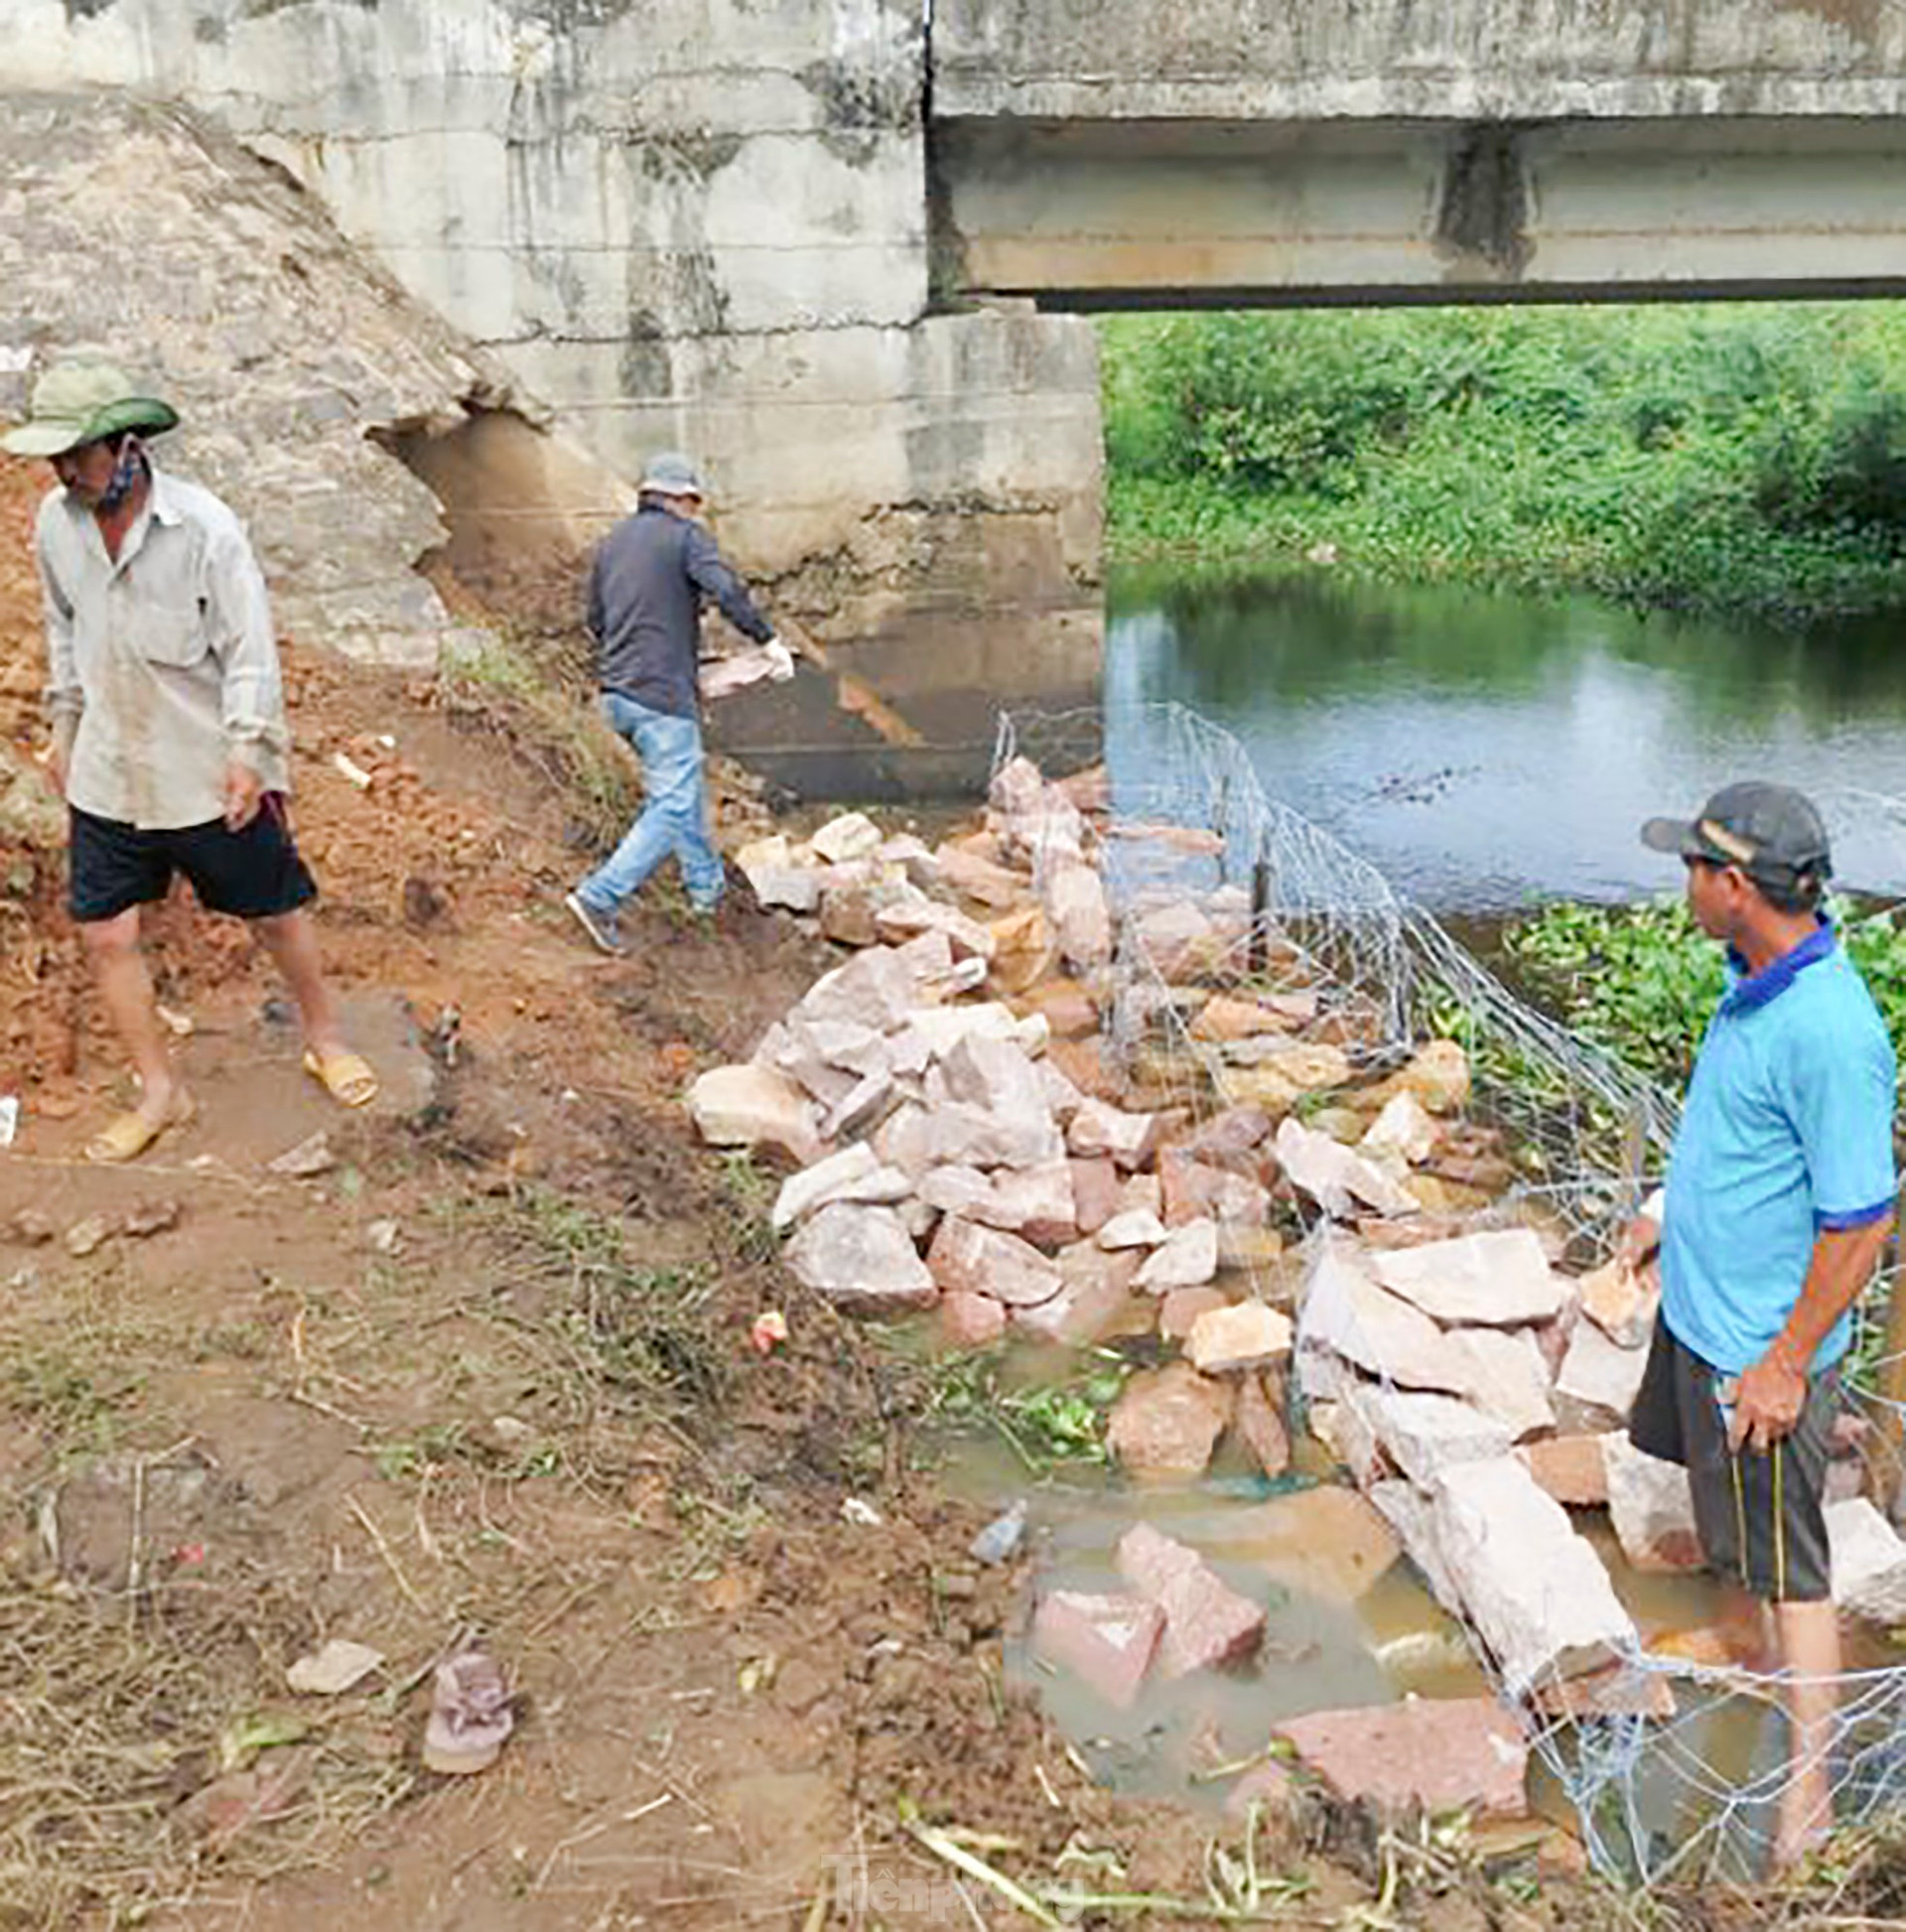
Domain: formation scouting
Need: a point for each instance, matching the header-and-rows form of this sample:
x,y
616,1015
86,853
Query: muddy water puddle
x,y
1351,1624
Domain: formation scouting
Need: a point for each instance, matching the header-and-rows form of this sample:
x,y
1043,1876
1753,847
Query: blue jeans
x,y
674,815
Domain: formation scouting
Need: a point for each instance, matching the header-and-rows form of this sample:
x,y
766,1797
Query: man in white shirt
x,y
169,738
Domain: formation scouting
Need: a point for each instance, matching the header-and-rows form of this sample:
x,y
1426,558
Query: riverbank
x,y
1741,461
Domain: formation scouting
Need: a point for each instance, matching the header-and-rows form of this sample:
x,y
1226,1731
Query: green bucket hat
x,y
83,402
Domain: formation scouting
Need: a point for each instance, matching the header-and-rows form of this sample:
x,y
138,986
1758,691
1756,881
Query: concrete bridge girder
x,y
1159,212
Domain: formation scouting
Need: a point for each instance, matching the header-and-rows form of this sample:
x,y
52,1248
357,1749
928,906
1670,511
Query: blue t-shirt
x,y
1788,1131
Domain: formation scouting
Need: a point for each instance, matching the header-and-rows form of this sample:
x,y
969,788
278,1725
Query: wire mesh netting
x,y
1671,1760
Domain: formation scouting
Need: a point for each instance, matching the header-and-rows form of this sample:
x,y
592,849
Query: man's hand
x,y
53,761
244,790
1767,1402
781,659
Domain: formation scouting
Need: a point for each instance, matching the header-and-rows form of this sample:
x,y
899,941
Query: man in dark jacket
x,y
650,578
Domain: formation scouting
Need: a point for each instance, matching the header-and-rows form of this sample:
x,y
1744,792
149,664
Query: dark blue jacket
x,y
650,578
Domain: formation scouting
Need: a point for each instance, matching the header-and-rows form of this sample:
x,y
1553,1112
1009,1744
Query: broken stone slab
x,y
863,1259
1403,1128
1066,1005
1140,1193
1095,1194
744,1106
1194,1189
1035,1203
1229,1134
1599,1373
1095,1296
1137,1227
797,889
1572,1469
1189,1258
1325,1542
966,1258
996,1074
1423,1755
1650,1506
1422,1433
973,876
847,916
1062,1096
943,1028
956,1135
971,1320
842,1045
1507,1377
1255,1250
1179,1312
875,988
1075,896
1106,1641
1247,1336
1166,1422
929,958
1534,1589
1101,1129
1406,1510
1346,1312
862,1108
1174,935
1500,1277
855,1174
911,917
1438,1076
958,1191
1616,1300
906,1140
912,859
1258,1422
1206,1622
1225,1018
1335,1176
1868,1562
851,836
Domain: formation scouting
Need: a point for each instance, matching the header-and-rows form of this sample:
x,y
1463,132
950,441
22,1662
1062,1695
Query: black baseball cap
x,y
1773,833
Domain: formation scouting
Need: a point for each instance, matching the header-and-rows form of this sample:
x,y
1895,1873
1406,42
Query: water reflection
x,y
1485,750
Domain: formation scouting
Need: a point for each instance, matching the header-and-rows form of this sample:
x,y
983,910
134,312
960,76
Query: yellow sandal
x,y
345,1075
128,1136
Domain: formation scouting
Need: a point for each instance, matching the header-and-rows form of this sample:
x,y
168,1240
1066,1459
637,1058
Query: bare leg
x,y
291,941
1810,1649
125,986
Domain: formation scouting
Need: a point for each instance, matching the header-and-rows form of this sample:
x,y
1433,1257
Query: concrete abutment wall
x,y
702,226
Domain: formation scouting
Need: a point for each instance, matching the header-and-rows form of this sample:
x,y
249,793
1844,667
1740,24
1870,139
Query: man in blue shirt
x,y
1780,1199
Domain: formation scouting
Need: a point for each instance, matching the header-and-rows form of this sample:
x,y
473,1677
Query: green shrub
x,y
1644,980
1742,459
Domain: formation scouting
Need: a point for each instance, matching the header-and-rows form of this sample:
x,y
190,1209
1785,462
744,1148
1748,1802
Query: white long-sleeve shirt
x,y
163,665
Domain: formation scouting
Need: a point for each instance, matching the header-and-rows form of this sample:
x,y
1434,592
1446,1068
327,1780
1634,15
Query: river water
x,y
1483,751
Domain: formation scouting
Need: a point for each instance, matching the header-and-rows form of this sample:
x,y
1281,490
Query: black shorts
x,y
253,875
1758,1511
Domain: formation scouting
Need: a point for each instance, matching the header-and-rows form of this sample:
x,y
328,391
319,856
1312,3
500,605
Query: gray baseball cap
x,y
671,473
1771,832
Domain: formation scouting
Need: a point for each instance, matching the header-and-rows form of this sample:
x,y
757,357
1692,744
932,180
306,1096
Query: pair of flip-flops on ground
x,y
345,1075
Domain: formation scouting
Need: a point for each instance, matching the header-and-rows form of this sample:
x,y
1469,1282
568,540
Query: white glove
x,y
780,660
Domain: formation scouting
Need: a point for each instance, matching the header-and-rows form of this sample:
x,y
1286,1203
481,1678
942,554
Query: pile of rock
x,y
967,1142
